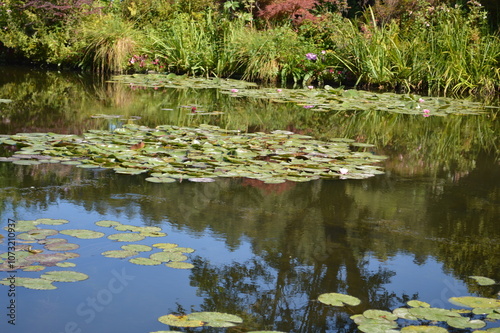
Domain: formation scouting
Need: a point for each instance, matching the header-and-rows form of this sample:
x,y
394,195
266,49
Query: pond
x,y
263,252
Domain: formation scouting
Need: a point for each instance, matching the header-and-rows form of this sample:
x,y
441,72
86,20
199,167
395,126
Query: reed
x,y
110,43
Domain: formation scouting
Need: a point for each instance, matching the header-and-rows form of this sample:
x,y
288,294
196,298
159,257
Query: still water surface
x,y
263,252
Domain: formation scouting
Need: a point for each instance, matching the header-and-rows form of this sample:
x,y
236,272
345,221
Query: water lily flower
x,y
234,90
311,56
279,90
308,106
310,87
427,112
343,171
421,100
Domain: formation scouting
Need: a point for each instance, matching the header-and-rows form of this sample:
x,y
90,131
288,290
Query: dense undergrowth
x,y
427,46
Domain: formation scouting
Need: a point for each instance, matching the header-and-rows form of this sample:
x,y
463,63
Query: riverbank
x,y
417,50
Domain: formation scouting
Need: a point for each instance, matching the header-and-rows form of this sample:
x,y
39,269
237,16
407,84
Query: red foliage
x,y
298,10
60,10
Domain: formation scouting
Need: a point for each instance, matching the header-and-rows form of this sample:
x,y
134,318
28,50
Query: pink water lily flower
x,y
279,90
343,171
234,90
427,112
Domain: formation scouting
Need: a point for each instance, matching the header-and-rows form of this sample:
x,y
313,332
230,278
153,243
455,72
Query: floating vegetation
x,y
179,265
374,321
197,319
82,233
145,261
336,299
172,80
316,100
137,247
107,223
204,153
65,276
31,283
126,237
483,281
119,253
48,221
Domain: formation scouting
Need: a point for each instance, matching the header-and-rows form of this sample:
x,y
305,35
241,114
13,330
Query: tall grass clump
x,y
197,45
436,49
110,43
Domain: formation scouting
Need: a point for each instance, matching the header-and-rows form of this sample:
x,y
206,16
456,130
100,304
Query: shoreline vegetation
x,y
425,46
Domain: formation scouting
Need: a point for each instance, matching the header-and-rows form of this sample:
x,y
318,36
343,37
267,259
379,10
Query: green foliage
x,y
423,51
110,42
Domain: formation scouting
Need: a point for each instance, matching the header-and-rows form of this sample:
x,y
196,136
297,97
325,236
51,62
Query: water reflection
x,y
305,239
418,231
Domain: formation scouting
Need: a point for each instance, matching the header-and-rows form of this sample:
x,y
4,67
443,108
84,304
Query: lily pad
x,y
475,302
165,246
107,223
82,233
65,264
31,283
336,299
168,256
179,321
119,253
216,319
48,221
179,265
137,247
483,281
145,261
423,329
60,246
126,237
64,276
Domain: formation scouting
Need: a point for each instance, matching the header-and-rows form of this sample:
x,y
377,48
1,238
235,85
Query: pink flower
x,y
343,171
279,90
421,100
310,87
427,112
308,106
234,90
311,56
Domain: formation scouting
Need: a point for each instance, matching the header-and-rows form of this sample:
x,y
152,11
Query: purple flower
x,y
308,106
311,56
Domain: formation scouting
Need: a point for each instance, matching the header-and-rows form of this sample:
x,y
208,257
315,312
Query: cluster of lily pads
x,y
171,153
420,317
36,249
28,256
316,99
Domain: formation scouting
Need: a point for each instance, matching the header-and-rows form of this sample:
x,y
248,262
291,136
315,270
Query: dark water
x,y
263,252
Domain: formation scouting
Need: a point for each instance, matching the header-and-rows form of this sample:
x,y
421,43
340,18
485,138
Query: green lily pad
x,y
48,221
336,299
423,329
377,314
483,281
418,304
165,246
107,223
126,237
145,261
179,321
463,323
433,313
475,302
168,256
82,233
33,283
216,319
179,265
137,247
65,264
64,276
119,253
24,225
34,268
